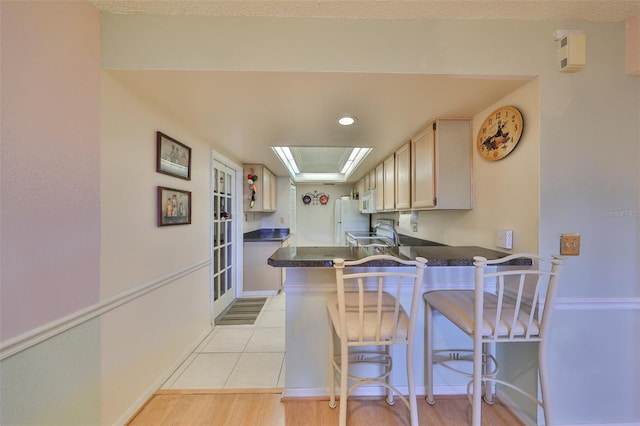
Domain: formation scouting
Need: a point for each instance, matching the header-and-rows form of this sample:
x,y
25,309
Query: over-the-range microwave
x,y
369,201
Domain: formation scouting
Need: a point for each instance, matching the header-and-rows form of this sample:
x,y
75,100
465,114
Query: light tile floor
x,y
238,356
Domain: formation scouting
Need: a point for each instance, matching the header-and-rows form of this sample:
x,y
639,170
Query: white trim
x,y
603,424
40,334
237,228
372,391
516,409
260,293
597,303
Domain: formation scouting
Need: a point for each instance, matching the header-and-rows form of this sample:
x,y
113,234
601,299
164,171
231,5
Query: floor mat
x,y
242,311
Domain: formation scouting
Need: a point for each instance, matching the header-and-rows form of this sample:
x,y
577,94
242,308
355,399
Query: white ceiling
x,y
245,113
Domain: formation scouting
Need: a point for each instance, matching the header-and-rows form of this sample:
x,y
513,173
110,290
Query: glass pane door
x,y
224,268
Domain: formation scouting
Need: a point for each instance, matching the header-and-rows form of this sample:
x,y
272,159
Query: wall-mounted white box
x,y
572,55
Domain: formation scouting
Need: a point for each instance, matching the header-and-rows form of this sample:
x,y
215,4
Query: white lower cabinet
x,y
259,278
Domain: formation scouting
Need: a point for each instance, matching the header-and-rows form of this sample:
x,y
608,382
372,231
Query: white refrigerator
x,y
348,218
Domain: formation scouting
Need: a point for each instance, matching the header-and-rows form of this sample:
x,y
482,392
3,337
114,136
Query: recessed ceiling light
x,y
346,120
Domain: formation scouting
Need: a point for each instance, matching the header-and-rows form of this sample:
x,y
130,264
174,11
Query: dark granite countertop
x,y
309,257
405,240
266,234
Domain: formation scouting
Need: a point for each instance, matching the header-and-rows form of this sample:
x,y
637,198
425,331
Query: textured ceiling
x,y
578,10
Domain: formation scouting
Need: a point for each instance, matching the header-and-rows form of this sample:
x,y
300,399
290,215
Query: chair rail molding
x,y
40,334
597,303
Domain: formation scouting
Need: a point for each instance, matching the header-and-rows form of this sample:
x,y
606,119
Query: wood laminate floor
x,y
264,407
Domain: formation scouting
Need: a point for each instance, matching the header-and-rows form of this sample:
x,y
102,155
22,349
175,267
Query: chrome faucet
x,y
392,231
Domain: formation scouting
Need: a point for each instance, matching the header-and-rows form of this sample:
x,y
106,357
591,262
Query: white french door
x,y
224,217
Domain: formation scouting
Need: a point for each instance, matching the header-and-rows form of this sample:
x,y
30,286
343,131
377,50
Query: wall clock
x,y
499,133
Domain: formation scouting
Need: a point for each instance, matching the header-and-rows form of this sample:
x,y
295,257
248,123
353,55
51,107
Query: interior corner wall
x,y
506,193
144,339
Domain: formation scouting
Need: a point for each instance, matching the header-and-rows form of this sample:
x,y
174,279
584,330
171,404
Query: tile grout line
x,y
267,307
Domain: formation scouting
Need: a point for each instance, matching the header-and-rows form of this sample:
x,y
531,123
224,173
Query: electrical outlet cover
x,y
504,239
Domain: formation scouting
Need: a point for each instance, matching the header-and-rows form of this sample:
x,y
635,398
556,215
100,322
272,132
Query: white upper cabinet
x,y
388,184
403,177
264,197
380,187
441,158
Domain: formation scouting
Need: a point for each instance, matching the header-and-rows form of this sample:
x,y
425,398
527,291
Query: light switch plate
x,y
570,244
504,239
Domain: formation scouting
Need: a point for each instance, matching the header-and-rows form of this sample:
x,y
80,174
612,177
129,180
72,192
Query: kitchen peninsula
x,y
259,278
310,278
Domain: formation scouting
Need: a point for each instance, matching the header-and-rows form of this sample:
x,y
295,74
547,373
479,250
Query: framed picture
x,y
174,206
172,157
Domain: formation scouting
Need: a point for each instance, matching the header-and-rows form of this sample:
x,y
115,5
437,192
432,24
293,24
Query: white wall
x,y
315,223
143,339
50,212
278,219
281,217
50,162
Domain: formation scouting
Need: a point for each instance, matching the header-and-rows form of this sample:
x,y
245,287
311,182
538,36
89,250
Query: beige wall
x,y
506,193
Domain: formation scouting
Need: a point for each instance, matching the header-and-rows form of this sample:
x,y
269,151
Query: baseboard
x,y
244,391
144,398
260,293
516,410
528,421
371,391
602,424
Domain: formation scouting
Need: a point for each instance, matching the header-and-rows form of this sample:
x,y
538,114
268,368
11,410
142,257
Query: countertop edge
x,y
322,257
266,235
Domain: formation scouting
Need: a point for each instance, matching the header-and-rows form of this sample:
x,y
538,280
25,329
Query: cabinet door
x,y
372,179
402,179
388,184
423,190
380,187
258,276
274,192
266,190
360,188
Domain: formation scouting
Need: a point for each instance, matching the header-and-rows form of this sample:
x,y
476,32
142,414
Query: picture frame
x,y
174,206
172,157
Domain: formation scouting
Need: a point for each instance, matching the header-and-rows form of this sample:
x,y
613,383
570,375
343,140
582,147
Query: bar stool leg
x,y
428,329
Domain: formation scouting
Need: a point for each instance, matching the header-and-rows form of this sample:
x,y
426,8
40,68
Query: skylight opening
x,y
321,164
